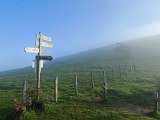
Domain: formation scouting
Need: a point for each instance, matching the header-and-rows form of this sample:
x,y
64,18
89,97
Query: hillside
x,y
129,51
133,49
129,93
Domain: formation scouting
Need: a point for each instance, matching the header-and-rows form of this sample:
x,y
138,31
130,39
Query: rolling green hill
x,y
129,96
129,51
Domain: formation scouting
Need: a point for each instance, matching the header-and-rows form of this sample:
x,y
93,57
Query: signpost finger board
x,y
43,44
44,37
32,50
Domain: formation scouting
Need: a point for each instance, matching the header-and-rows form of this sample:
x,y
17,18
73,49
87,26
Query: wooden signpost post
x,y
39,56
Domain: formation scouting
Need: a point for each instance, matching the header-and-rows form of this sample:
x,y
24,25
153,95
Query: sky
x,y
74,25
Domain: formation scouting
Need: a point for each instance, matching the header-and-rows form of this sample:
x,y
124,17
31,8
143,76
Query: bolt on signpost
x,y
39,56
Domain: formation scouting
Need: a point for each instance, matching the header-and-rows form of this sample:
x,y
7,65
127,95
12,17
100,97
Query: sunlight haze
x,y
76,26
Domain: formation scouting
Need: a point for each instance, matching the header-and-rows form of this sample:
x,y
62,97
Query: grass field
x,y
129,97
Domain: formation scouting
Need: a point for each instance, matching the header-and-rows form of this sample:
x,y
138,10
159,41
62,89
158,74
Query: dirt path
x,y
137,109
140,110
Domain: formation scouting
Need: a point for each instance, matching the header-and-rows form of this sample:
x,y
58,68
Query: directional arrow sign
x,y
32,50
44,58
44,44
44,37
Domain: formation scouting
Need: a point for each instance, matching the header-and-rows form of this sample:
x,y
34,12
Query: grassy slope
x,y
135,89
82,112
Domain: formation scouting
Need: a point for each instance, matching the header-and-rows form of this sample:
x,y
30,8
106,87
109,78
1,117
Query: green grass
x,y
74,111
135,88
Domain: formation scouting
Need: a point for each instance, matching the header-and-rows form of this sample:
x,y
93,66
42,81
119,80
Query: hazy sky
x,y
75,25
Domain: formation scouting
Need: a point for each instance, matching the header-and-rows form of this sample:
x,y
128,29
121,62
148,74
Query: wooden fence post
x,y
135,68
76,84
113,74
24,92
156,101
130,68
126,70
105,84
92,81
104,91
104,75
56,90
120,72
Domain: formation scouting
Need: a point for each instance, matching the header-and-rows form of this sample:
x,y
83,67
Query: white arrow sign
x,y
44,37
44,44
32,50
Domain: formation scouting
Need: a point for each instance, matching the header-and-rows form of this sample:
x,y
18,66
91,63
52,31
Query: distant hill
x,y
148,47
143,48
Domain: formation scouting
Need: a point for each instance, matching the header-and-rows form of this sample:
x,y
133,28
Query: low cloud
x,y
144,30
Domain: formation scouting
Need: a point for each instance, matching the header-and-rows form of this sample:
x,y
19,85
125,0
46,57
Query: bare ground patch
x,y
137,109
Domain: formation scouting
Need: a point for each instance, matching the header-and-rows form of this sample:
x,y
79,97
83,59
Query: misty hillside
x,y
129,93
128,51
148,47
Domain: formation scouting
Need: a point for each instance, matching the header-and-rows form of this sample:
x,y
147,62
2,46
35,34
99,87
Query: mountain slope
x,y
128,93
129,51
147,47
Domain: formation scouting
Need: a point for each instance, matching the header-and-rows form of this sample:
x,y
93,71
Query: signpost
x,y
49,58
43,44
32,50
38,63
43,37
